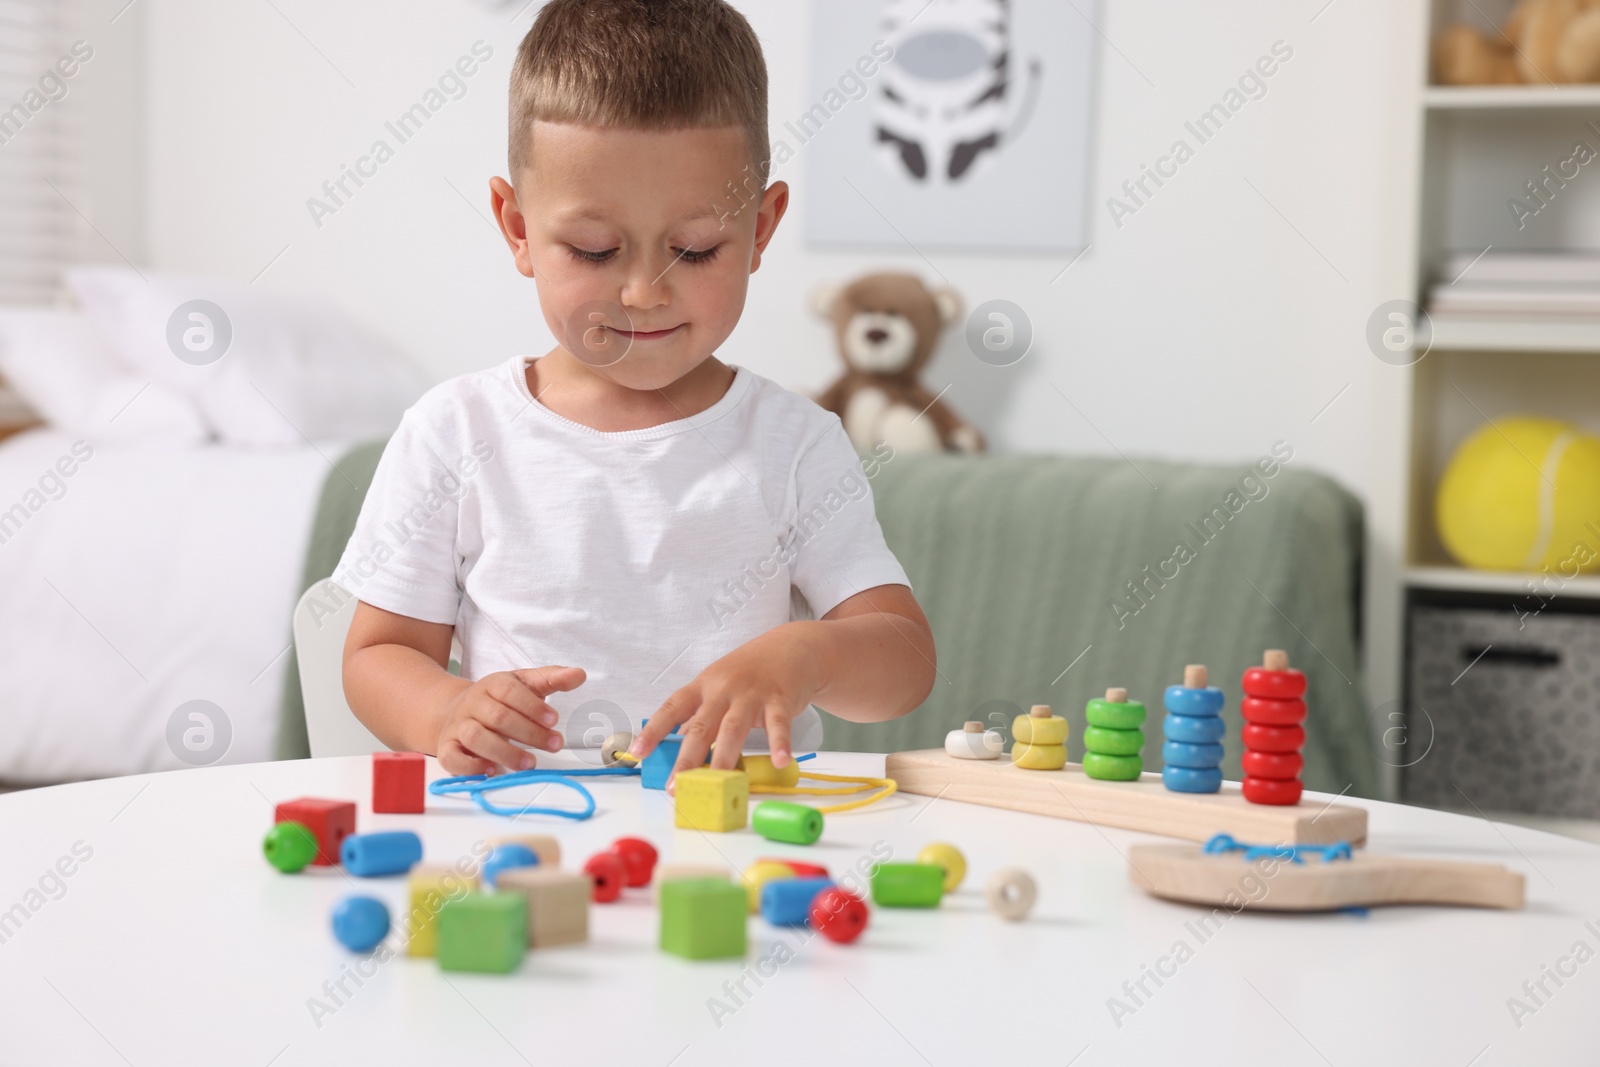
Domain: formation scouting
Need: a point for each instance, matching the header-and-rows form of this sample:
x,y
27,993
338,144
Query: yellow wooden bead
x,y
759,874
1039,757
761,772
712,800
950,858
1027,730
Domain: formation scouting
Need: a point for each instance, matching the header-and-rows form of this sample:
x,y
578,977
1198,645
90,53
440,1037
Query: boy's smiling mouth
x,y
648,335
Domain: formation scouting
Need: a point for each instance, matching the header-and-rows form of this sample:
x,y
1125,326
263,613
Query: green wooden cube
x,y
703,918
485,932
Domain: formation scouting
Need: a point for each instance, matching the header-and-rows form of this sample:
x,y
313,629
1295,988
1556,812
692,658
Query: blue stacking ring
x,y
1181,700
1194,729
1192,779
1199,757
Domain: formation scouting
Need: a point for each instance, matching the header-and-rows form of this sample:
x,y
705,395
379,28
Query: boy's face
x,y
641,242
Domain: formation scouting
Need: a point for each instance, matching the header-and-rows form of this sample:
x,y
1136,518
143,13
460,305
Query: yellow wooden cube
x,y
712,800
428,889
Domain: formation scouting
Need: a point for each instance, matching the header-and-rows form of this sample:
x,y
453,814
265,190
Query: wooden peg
x,y
1117,695
1275,659
1194,676
973,727
1039,711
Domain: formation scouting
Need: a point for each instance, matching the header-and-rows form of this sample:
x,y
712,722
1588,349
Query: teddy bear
x,y
887,327
1542,42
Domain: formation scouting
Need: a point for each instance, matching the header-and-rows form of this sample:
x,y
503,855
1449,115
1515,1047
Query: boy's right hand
x,y
482,720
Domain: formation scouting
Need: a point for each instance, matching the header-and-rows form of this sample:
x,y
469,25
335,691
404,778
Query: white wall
x,y
1204,328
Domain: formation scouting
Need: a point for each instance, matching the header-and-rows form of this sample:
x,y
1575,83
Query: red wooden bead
x,y
1272,764
330,822
1273,738
1272,790
638,859
609,876
1284,685
397,782
1270,712
801,868
838,915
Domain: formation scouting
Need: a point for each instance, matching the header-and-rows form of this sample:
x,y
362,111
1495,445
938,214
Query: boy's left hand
x,y
766,682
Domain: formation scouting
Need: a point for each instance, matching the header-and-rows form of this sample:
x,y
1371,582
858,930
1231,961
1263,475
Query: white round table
x,y
172,941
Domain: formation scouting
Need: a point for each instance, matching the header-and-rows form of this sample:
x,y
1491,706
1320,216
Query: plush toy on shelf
x,y
1542,42
887,326
1523,494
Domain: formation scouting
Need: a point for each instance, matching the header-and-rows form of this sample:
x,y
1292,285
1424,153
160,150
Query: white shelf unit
x,y
1457,156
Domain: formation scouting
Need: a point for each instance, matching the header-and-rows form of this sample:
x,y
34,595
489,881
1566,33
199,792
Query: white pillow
x,y
64,369
262,368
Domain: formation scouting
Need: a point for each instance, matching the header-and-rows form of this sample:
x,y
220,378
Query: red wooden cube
x,y
330,822
397,782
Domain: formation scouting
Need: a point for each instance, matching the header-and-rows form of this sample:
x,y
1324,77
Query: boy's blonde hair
x,y
640,64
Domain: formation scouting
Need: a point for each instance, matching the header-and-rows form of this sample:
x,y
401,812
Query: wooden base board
x,y
1145,805
1187,874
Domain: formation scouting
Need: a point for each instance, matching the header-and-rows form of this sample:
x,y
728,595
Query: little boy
x,y
658,521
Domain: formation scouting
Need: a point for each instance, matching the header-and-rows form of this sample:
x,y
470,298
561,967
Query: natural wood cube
x,y
558,904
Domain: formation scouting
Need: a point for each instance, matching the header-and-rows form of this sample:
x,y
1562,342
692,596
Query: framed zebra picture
x,y
957,124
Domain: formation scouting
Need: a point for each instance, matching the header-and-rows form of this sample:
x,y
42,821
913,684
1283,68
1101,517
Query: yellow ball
x,y
949,858
1523,494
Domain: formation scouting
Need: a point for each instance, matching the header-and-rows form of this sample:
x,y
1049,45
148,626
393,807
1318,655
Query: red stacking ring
x,y
1273,738
1272,764
1281,685
1272,790
1273,712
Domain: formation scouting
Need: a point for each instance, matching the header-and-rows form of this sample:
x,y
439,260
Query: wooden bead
x,y
1273,764
801,867
758,874
359,923
398,786
609,876
1273,738
1273,712
676,872
1113,742
703,918
1039,757
759,770
289,846
558,904
967,743
787,901
1115,714
546,847
638,858
614,746
483,932
947,857
838,914
711,800
379,854
780,820
907,885
1011,893
1280,791
1039,730
1194,729
1105,768
330,822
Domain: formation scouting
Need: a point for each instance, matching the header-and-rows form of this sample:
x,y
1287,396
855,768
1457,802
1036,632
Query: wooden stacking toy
x,y
1113,741
1041,740
1273,710
972,741
1192,752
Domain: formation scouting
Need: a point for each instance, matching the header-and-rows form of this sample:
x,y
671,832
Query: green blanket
x,y
1048,579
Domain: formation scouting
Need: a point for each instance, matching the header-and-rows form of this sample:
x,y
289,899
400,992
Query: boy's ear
x,y
513,224
824,297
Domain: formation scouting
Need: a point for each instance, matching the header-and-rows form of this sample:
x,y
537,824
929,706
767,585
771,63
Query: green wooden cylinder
x,y
780,820
907,885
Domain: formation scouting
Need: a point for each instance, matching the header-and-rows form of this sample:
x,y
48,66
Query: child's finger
x,y
730,736
777,720
510,689
546,680
697,735
510,722
484,743
677,708
457,760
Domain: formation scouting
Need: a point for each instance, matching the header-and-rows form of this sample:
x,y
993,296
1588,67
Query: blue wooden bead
x,y
1194,729
1192,779
506,857
1181,700
359,923
1178,754
787,901
375,855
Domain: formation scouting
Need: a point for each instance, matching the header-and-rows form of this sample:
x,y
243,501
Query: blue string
x,y
1222,843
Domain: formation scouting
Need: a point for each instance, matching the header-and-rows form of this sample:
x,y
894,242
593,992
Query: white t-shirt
x,y
641,556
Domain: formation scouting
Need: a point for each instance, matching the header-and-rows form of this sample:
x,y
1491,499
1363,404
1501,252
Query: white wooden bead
x,y
963,744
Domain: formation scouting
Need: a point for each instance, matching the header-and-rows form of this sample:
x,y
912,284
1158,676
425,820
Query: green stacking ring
x,y
779,820
1128,715
1108,742
1112,768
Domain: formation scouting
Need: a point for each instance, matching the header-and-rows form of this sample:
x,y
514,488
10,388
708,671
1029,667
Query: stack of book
x,y
1518,287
